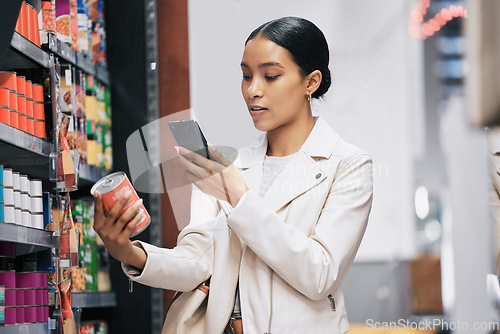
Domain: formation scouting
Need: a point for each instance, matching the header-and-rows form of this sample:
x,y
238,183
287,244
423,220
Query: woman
x,y
299,201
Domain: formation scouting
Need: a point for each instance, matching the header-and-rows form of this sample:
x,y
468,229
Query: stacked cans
x,y
27,23
22,104
22,200
26,296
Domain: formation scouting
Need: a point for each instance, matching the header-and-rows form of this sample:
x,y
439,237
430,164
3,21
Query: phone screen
x,y
188,134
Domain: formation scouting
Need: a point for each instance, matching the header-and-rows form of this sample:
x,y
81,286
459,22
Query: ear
x,y
313,81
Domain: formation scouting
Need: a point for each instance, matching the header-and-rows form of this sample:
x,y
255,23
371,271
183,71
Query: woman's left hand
x,y
220,178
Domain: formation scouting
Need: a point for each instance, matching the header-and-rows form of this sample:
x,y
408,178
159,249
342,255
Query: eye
x,y
271,77
247,77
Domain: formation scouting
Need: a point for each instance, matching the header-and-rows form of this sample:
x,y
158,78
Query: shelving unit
x,y
32,156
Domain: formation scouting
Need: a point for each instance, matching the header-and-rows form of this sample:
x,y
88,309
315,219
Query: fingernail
x,y
176,149
96,194
139,202
127,195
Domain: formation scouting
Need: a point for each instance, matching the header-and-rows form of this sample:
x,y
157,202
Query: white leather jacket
x,y
290,249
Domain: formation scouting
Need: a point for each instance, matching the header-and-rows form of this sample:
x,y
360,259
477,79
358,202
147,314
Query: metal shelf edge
x,y
26,235
24,140
38,328
26,47
93,299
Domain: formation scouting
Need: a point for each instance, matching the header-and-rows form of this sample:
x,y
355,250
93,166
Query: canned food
x,y
4,97
5,115
37,221
18,216
25,218
21,85
17,199
29,107
2,214
10,315
13,100
36,204
7,177
13,118
8,279
39,126
20,316
30,314
8,195
8,80
9,213
37,93
36,188
21,122
112,188
1,174
30,125
23,183
38,110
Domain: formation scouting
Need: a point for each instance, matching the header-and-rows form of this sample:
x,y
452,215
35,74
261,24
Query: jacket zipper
x,y
271,301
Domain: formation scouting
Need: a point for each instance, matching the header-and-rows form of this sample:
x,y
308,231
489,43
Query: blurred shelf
x,y
87,299
24,153
27,236
91,174
102,75
30,50
63,50
93,299
85,63
38,328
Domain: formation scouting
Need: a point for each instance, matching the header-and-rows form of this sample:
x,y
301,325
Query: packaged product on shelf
x,y
46,21
95,46
80,94
77,276
69,241
107,149
90,265
103,268
74,24
68,159
81,138
2,305
53,274
47,211
67,318
63,18
90,237
83,26
66,87
100,145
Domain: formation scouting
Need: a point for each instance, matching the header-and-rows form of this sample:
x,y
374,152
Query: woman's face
x,y
272,86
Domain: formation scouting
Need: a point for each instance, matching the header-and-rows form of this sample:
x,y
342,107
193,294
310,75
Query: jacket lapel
x,y
300,174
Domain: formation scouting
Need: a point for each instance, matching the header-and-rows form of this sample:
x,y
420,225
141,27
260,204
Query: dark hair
x,y
304,41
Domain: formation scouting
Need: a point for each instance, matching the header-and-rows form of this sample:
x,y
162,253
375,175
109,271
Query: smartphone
x,y
187,133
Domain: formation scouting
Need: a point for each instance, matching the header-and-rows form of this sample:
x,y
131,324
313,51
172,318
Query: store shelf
x,y
90,174
27,236
102,75
24,153
93,299
85,63
30,50
63,50
39,328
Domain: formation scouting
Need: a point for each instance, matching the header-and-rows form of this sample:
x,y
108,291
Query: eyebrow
x,y
271,63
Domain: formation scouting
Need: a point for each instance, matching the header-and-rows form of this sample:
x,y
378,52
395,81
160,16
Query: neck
x,y
289,138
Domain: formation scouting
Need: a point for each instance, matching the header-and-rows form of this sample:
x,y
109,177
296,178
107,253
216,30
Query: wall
x,y
375,101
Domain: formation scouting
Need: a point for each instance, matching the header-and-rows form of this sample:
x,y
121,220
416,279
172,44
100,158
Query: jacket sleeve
x,y
185,266
316,264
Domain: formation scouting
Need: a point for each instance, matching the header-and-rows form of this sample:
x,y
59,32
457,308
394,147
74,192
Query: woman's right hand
x,y
115,230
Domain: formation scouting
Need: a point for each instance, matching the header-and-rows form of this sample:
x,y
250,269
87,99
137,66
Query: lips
x,y
256,110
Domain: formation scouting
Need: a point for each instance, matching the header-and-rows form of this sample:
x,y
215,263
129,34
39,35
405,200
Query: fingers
x,y
98,209
197,168
125,218
193,156
118,207
218,155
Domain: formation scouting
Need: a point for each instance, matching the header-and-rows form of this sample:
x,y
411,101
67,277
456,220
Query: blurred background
x,y
416,83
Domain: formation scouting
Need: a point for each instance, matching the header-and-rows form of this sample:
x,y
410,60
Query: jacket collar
x,y
300,174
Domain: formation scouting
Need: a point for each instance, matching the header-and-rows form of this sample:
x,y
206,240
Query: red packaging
x,y
5,115
112,187
48,16
37,92
10,315
4,97
67,318
30,125
20,316
40,128
9,80
38,110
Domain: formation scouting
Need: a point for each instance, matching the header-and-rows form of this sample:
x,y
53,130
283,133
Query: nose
x,y
255,90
